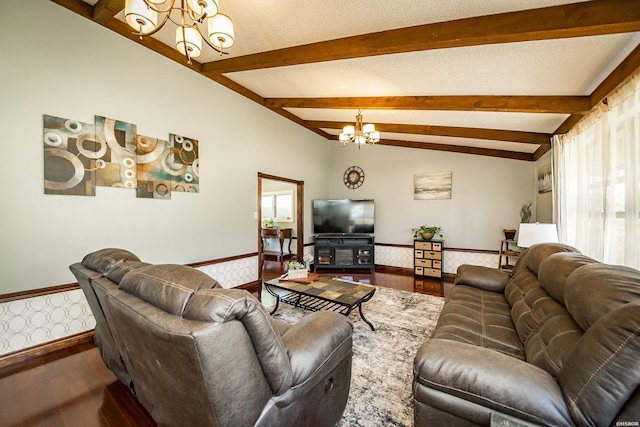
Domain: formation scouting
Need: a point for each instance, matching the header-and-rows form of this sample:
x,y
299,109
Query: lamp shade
x,y
369,128
193,41
220,31
140,17
199,7
531,234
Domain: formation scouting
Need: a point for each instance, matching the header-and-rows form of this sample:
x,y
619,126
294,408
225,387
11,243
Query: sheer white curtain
x,y
597,171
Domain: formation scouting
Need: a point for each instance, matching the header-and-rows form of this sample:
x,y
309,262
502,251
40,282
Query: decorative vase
x,y
426,236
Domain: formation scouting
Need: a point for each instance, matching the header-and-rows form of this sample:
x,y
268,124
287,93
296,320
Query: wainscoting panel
x,y
32,321
396,256
453,259
233,273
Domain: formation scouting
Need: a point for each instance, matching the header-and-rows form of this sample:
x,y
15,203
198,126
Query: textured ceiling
x,y
472,78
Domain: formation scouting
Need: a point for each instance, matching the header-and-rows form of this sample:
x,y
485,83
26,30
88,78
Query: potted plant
x,y
426,232
296,270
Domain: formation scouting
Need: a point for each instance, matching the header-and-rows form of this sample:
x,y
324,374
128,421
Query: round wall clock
x,y
353,177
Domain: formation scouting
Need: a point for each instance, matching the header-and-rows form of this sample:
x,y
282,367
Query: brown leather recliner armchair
x,y
200,355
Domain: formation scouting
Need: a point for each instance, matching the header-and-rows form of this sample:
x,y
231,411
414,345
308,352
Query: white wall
x,y
76,69
487,193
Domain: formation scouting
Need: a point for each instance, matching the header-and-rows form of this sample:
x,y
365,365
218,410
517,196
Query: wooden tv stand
x,y
344,251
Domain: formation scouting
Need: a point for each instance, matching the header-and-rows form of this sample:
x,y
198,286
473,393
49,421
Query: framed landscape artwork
x,y
432,186
544,178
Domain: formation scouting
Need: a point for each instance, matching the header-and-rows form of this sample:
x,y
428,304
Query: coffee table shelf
x,y
324,294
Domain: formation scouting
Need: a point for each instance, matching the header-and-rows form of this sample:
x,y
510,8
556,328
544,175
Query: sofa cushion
x,y
521,283
481,277
167,286
531,309
117,270
549,346
531,302
601,372
536,254
555,270
480,318
484,382
599,376
597,289
548,329
104,258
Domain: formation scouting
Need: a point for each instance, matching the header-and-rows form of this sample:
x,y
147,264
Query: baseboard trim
x,y
20,360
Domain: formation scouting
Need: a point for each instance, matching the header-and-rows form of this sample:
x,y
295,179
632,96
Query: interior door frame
x,y
299,216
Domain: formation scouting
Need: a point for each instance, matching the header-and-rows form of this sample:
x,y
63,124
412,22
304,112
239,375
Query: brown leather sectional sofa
x,y
557,343
196,354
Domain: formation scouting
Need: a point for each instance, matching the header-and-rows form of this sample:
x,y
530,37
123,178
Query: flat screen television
x,y
343,216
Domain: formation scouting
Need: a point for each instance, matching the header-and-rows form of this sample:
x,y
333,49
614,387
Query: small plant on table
x,y
426,232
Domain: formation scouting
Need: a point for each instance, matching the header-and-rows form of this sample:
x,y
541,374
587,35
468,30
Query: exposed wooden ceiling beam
x,y
541,151
77,6
575,20
456,132
520,104
104,10
458,149
572,20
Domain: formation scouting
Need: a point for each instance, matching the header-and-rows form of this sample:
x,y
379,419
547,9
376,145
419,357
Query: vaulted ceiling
x,y
490,77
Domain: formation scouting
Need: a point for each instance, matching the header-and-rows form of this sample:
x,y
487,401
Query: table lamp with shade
x,y
533,233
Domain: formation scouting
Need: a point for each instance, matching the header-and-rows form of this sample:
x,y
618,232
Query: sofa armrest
x,y
485,278
317,342
489,379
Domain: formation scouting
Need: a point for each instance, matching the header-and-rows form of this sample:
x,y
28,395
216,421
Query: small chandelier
x,y
142,16
359,134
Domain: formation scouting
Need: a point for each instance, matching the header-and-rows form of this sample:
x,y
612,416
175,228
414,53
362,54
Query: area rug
x,y
382,369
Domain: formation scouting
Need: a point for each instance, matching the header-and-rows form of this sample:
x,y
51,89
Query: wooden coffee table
x,y
337,295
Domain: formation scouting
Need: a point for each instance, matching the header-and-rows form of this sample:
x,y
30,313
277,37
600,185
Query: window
x,y
278,206
597,165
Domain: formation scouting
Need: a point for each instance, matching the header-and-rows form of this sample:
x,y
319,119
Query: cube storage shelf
x,y
353,251
428,257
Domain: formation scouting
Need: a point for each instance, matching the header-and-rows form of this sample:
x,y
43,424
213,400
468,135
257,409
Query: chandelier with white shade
x,y
359,134
189,16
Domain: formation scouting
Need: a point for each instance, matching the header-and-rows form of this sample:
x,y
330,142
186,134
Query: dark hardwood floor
x,y
74,388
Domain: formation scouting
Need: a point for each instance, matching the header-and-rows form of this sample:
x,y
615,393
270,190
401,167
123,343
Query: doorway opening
x,y
280,218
